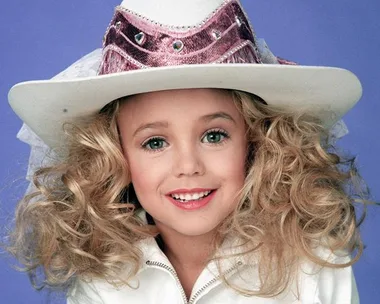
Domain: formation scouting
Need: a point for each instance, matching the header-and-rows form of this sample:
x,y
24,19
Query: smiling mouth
x,y
185,198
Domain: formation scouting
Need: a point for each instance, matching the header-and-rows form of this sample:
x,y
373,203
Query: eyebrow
x,y
221,114
151,125
165,124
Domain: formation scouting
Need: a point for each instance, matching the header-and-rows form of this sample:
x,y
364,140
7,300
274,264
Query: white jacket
x,y
160,284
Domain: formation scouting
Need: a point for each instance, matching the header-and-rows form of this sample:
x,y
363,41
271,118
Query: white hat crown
x,y
146,34
187,12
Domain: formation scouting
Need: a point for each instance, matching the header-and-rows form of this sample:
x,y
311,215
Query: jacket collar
x,y
231,247
231,250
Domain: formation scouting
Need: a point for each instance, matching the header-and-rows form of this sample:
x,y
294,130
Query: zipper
x,y
172,271
209,283
199,291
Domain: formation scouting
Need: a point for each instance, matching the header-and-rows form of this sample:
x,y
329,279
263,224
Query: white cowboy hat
x,y
153,45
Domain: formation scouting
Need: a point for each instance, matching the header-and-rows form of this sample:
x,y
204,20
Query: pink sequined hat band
x,y
132,42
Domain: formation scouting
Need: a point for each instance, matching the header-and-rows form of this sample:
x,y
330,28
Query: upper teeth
x,y
193,196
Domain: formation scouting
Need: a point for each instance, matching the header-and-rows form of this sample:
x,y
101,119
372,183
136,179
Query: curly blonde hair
x,y
295,195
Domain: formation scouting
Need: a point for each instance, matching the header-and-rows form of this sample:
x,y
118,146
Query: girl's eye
x,y
215,136
155,143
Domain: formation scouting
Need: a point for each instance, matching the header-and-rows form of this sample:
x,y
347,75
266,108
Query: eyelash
x,y
216,131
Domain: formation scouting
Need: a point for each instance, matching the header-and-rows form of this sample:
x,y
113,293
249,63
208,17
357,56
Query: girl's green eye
x,y
154,144
214,137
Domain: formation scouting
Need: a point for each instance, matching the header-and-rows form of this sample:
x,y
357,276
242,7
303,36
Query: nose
x,y
188,161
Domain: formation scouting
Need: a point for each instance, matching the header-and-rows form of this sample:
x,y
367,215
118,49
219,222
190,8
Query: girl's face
x,y
180,145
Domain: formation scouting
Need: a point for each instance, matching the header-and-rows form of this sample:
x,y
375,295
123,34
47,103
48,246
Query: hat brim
x,y
46,105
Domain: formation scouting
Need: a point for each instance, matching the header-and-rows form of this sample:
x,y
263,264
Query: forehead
x,y
190,102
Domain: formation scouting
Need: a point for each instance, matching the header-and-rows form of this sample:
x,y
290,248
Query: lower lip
x,y
193,205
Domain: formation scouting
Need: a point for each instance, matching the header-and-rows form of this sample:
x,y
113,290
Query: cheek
x,y
147,173
229,167
233,167
235,158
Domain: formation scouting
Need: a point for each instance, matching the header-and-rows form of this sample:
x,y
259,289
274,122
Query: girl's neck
x,y
189,255
187,251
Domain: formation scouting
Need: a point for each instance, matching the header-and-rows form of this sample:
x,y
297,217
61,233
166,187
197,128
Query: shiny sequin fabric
x,y
133,42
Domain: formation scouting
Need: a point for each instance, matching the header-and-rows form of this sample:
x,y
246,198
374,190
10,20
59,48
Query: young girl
x,y
196,167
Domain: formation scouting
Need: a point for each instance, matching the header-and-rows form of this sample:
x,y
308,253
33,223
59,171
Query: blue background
x,y
40,38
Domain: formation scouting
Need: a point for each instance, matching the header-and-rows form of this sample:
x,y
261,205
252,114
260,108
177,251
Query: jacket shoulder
x,y
331,285
84,292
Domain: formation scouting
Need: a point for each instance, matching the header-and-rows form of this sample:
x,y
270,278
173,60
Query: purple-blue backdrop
x,y
40,38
